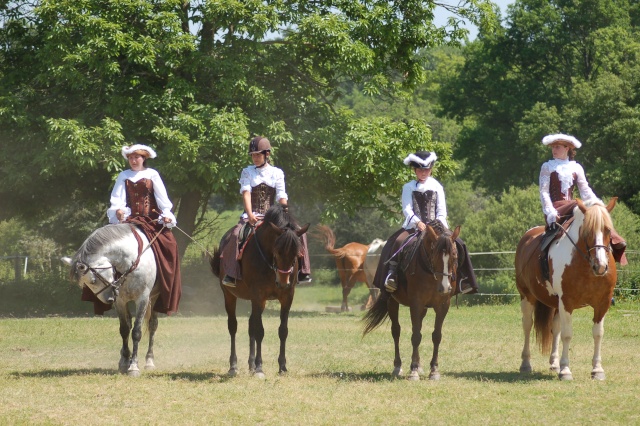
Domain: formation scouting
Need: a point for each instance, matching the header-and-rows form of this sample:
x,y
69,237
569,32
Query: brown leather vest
x,y
262,197
555,188
141,198
425,205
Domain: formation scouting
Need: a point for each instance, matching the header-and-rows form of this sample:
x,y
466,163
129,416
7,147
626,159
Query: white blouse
x,y
412,218
565,170
119,195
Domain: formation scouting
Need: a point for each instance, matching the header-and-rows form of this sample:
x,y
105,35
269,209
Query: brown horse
x,y
350,261
582,272
269,267
427,282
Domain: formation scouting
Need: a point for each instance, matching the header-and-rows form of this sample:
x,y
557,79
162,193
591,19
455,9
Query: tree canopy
x,y
194,79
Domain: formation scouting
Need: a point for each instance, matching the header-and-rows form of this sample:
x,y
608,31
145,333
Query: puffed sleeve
x,y
411,219
281,193
118,199
162,199
245,180
441,208
586,193
545,197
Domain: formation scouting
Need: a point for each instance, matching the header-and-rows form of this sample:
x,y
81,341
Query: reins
x,y
272,264
584,255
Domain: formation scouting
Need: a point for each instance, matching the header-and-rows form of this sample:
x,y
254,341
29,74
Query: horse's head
x,y
286,250
97,275
443,255
595,234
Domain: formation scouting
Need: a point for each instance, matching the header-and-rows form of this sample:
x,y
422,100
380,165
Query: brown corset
x,y
425,205
141,198
555,188
262,197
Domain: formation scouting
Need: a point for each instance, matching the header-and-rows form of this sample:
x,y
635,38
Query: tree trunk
x,y
187,213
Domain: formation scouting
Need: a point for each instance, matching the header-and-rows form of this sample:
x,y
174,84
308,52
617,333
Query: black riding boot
x,y
390,283
548,236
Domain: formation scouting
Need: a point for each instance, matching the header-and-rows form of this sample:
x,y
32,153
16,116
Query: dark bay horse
x,y
350,260
269,267
427,282
582,272
118,266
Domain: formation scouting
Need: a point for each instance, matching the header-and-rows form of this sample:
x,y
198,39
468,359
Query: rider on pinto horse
x,y
558,179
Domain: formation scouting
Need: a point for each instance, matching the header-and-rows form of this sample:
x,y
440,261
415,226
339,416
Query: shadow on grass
x,y
356,377
189,376
502,377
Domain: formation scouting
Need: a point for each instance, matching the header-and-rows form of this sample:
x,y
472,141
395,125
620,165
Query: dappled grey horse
x,y
116,264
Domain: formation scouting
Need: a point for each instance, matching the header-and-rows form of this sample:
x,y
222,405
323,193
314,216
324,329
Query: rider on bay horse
x,y
260,185
423,203
558,179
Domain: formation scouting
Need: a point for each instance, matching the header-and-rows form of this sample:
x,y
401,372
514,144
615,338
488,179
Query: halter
x,y
429,266
586,256
272,265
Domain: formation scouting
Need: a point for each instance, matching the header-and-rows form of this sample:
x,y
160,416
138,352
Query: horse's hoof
x,y
259,375
149,365
420,371
133,372
413,376
232,372
434,375
397,372
565,374
554,368
525,368
597,375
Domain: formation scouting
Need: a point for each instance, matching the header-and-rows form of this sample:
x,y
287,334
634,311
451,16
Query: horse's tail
x,y
214,261
542,323
376,314
324,233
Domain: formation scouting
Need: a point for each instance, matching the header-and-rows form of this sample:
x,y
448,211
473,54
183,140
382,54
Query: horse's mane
x,y
283,220
444,243
596,218
100,237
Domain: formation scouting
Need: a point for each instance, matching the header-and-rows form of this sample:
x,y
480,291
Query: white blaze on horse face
x,y
601,255
446,283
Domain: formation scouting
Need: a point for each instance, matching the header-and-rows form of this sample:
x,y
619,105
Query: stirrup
x,y
390,283
228,281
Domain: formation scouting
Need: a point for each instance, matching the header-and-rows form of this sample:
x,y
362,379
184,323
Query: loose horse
x,y
115,262
582,273
372,260
269,268
350,261
426,283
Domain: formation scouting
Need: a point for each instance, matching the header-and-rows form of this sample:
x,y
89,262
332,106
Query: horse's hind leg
x,y
527,324
554,358
566,334
153,326
256,335
393,308
436,337
125,328
136,336
597,373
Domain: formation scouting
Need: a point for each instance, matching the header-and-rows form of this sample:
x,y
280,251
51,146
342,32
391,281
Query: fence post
x,y
17,268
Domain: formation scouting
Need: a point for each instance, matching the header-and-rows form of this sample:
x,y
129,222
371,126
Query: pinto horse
x,y
582,272
116,264
427,282
350,260
269,268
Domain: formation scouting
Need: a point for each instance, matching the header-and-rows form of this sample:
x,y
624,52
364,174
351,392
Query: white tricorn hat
x,y
421,159
549,139
143,150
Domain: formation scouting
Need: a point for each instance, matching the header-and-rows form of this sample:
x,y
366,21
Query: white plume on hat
x,y
126,150
549,139
423,162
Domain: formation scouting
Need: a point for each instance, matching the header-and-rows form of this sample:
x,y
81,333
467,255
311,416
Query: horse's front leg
x,y
554,358
436,337
392,308
136,336
597,373
153,327
232,327
566,333
526,308
417,313
256,335
283,330
125,328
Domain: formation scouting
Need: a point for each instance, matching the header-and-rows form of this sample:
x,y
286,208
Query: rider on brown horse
x,y
423,203
558,179
260,185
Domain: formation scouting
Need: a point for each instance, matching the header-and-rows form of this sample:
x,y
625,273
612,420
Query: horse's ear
x,y
302,230
431,234
612,203
66,260
581,205
275,228
456,233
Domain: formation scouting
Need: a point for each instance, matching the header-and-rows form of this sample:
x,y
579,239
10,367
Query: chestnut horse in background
x,y
350,261
582,272
269,272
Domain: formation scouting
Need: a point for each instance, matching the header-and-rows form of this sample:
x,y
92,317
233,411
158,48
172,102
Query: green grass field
x,y
61,370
